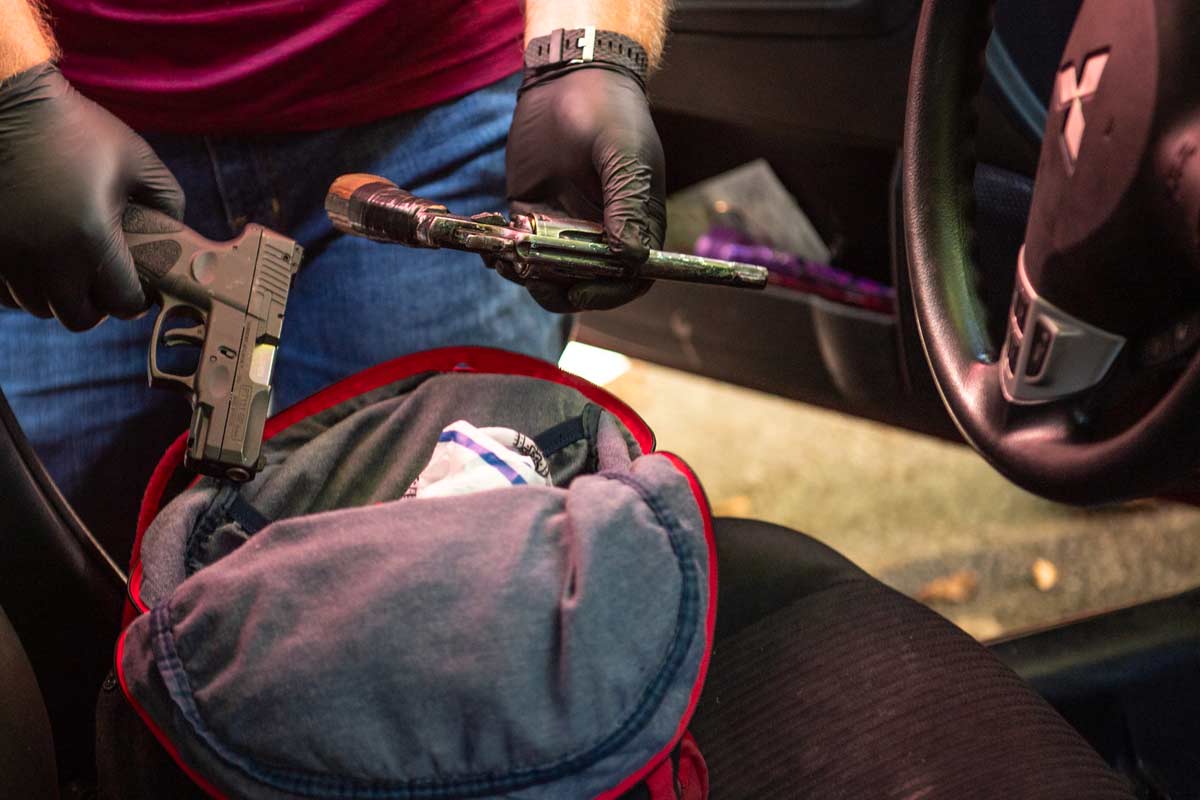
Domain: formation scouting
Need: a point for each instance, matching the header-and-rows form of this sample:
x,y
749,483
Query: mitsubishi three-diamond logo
x,y
1070,91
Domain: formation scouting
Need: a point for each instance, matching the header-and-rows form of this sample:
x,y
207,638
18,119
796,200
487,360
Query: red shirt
x,y
241,66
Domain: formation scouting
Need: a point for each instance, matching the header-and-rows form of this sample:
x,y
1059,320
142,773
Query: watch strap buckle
x,y
587,44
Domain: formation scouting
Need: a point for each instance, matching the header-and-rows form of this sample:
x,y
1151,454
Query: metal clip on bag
x,y
315,633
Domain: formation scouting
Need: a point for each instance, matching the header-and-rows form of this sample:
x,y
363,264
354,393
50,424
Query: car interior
x,y
818,89
913,136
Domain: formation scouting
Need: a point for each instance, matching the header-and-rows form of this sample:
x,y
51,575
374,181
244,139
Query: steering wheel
x,y
1094,395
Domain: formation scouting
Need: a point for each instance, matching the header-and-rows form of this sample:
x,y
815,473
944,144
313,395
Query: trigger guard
x,y
157,377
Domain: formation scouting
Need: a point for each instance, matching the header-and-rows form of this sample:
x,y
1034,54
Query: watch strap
x,y
584,45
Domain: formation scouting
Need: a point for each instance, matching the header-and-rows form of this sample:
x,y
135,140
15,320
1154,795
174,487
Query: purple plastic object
x,y
792,271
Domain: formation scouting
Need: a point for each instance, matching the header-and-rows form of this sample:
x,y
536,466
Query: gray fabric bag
x,y
315,633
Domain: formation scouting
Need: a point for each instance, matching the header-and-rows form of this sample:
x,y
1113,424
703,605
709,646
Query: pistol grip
x,y
155,241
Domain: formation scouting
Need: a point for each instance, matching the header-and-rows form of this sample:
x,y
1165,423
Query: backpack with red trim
x,y
463,573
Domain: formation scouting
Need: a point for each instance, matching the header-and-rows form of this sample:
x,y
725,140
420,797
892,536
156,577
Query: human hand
x,y
582,143
67,170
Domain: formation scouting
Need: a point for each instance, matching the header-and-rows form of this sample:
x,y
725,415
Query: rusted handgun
x,y
535,245
234,295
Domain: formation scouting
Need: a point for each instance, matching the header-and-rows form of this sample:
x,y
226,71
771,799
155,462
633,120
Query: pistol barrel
x,y
695,269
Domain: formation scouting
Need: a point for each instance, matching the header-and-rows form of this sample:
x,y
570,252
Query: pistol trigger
x,y
167,380
177,336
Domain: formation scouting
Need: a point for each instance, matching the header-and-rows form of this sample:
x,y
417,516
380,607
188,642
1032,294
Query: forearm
x,y
25,38
644,21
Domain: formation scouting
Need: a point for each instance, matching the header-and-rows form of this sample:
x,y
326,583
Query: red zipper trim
x,y
162,737
710,623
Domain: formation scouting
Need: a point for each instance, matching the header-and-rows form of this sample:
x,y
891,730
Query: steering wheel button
x,y
1039,349
1015,333
1054,354
1012,352
1020,307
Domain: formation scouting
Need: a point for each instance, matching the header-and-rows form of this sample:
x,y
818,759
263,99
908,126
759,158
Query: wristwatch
x,y
585,45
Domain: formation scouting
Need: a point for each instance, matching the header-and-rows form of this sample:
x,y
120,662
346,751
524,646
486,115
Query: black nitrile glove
x,y
582,144
67,169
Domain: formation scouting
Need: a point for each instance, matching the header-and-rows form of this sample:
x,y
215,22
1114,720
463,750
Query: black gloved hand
x,y
67,169
582,144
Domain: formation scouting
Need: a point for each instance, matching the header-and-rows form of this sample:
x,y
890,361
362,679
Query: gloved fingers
x,y
550,296
632,176
153,184
496,265
28,296
69,292
585,295
6,298
76,313
656,221
116,288
604,295
504,269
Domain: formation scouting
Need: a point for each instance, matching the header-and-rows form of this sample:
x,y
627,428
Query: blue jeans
x,y
83,399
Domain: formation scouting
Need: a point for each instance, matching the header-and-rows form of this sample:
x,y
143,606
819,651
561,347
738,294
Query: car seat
x,y
62,595
26,748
